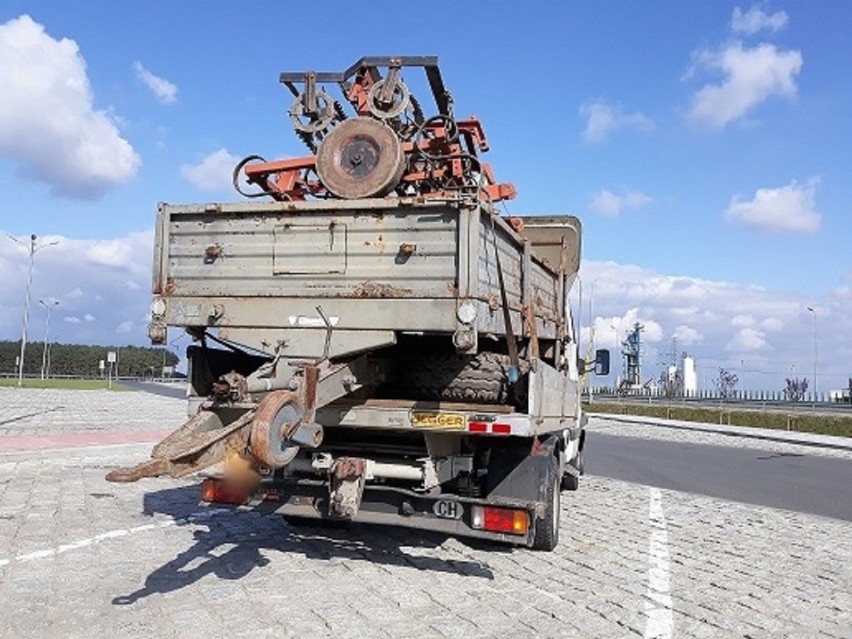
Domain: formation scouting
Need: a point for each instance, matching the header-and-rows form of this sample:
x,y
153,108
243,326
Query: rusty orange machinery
x,y
386,147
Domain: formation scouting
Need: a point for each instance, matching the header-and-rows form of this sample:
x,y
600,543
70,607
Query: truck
x,y
373,341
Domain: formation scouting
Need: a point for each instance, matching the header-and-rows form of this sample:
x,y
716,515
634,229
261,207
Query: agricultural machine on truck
x,y
374,342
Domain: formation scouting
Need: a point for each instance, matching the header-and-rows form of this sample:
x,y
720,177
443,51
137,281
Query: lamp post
x,y
615,346
45,353
32,249
816,352
591,334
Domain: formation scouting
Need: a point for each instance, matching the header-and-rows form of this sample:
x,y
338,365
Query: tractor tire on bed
x,y
481,379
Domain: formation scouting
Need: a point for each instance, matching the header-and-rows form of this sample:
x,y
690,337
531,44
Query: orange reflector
x,y
216,490
501,429
514,521
477,427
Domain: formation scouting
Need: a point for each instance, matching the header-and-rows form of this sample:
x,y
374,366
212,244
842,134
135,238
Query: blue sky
x,y
704,145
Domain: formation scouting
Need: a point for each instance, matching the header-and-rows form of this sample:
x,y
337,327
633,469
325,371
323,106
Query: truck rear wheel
x,y
573,470
547,529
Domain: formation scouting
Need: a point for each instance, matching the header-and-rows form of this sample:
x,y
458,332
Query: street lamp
x,y
816,386
32,248
45,353
614,335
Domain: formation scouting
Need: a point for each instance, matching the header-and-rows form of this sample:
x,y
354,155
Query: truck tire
x,y
571,480
547,529
481,379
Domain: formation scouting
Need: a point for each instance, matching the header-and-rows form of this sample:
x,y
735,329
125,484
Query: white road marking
x,y
113,534
658,599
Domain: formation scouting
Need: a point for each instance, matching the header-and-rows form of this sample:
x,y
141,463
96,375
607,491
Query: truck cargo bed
x,y
379,267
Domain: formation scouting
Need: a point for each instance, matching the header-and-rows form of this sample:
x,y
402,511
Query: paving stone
x,y
83,558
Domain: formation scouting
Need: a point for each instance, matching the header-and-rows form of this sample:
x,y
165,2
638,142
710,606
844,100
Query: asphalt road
x,y
164,390
803,483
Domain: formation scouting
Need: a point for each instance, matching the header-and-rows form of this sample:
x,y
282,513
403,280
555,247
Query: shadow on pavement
x,y
19,418
237,542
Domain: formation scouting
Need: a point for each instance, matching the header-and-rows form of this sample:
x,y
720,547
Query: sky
x,y
704,145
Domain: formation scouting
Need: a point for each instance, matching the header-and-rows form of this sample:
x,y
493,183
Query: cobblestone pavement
x,y
27,412
83,558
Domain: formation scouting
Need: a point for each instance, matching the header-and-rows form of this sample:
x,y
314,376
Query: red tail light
x,y
215,490
514,521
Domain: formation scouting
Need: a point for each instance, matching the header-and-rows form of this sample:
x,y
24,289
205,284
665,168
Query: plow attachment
x,y
244,439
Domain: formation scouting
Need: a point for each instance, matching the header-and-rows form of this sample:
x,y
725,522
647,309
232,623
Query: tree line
x,y
84,361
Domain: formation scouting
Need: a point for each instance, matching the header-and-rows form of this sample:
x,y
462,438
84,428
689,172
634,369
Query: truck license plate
x,y
448,509
437,419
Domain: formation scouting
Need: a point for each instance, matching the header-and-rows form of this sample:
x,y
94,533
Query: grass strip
x,y
64,384
822,424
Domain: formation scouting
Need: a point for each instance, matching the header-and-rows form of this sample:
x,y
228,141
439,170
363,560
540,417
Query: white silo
x,y
690,380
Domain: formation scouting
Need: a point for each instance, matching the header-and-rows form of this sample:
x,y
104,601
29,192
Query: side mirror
x,y
601,362
598,366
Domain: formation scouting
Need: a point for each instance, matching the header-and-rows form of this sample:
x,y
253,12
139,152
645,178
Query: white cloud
x,y
747,340
124,327
772,324
742,321
49,126
213,172
788,208
611,331
165,91
603,119
609,204
844,290
687,335
757,332
752,76
755,19
109,253
88,278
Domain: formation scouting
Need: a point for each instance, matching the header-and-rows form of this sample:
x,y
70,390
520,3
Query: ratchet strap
x,y
511,343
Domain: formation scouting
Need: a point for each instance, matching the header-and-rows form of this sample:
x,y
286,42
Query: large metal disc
x,y
360,158
276,414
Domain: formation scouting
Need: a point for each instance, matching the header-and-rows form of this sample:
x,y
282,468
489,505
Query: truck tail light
x,y
514,521
215,490
484,427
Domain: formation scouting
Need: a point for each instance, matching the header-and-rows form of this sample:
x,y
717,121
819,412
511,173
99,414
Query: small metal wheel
x,y
360,158
312,121
398,102
277,413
